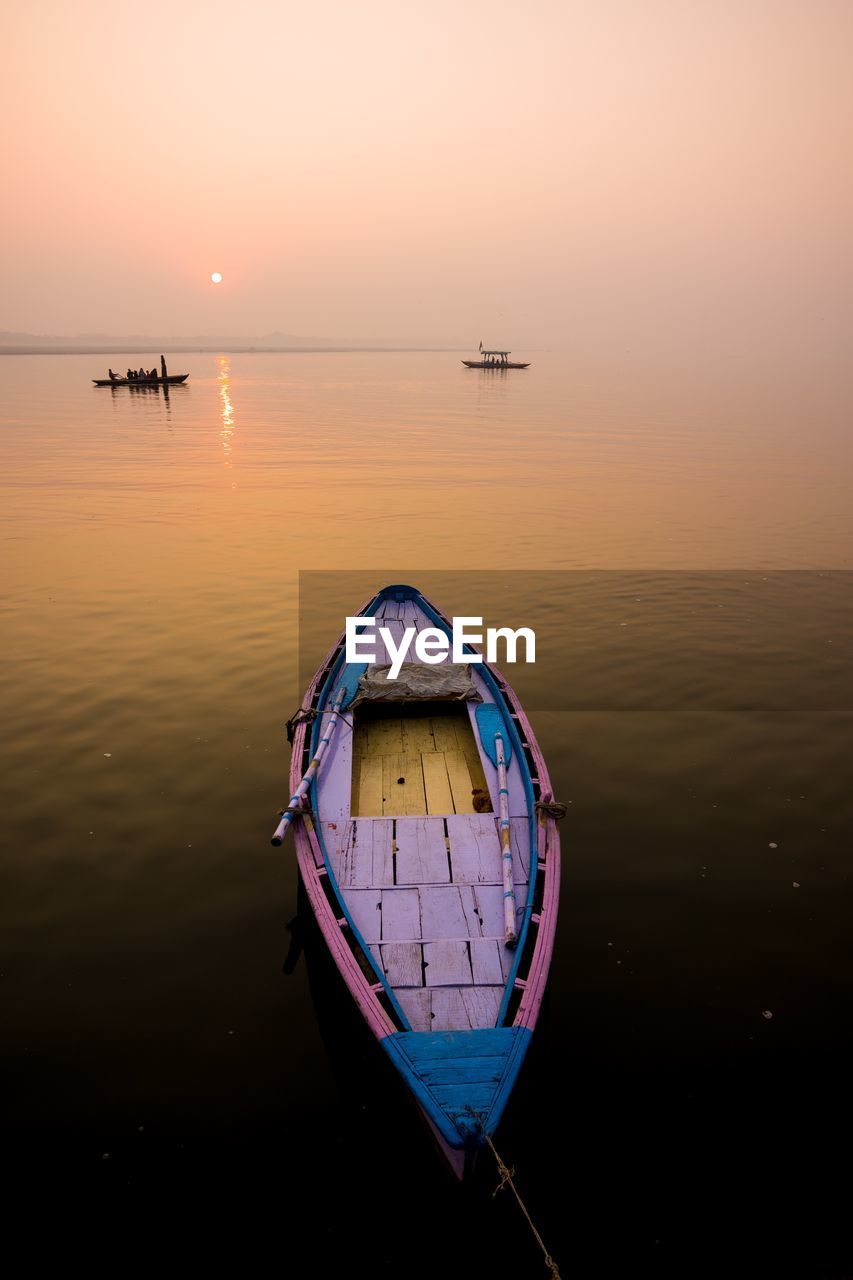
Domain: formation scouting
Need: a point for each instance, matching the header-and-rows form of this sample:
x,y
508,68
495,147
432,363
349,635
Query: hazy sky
x,y
542,173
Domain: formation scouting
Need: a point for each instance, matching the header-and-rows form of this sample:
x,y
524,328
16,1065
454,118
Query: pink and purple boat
x,y
427,842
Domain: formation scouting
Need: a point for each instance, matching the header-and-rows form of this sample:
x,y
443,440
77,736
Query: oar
x,y
295,803
510,932
492,734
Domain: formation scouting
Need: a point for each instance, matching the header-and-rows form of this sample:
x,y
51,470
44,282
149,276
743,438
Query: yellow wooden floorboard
x,y
475,769
385,737
406,798
439,798
415,793
417,736
437,757
444,732
370,788
460,781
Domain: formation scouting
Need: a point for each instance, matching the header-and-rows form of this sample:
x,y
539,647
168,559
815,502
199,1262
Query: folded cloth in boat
x,y
417,683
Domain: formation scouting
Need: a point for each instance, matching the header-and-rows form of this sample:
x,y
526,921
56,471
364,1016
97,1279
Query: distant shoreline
x,y
184,350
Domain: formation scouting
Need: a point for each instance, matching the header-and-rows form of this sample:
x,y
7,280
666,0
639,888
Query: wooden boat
x,y
427,843
495,360
173,380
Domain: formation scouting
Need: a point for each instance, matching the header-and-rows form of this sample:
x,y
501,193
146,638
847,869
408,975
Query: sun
x,y
216,277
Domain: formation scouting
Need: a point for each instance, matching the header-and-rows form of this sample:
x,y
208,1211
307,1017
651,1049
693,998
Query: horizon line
x,y
188,349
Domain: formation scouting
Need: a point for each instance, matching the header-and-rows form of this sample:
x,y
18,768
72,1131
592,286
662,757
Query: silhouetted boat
x,y
499,360
173,380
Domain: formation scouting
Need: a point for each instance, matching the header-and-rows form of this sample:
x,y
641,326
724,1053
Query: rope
x,y
297,808
305,715
507,1176
552,808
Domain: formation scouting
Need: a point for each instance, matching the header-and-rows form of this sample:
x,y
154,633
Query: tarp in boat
x,y
417,682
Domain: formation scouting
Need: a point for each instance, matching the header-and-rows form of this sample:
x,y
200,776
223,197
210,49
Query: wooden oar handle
x,y
292,811
510,925
295,804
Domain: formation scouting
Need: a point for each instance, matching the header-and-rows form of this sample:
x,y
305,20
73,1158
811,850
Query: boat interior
x,y
416,758
407,804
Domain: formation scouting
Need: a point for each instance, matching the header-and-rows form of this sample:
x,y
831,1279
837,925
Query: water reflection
x,y
142,391
226,408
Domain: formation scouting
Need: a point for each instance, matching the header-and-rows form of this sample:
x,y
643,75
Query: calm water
x,y
682,544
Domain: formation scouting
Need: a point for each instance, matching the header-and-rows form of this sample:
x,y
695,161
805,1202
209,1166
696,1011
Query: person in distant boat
x,y
112,376
130,375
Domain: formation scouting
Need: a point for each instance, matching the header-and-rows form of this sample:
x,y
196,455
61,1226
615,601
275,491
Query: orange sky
x,y
550,173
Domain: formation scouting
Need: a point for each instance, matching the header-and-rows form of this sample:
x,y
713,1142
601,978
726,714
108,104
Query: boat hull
x,y
507,364
395,928
173,380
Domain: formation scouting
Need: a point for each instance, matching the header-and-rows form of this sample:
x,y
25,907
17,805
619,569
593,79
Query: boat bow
x,y
462,1079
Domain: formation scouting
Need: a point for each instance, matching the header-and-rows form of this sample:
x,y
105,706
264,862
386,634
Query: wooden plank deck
x,y
402,785
439,797
403,766
450,1008
421,852
403,963
431,937
447,963
427,913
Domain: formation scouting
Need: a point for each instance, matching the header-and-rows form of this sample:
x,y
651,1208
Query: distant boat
x,y
495,360
173,380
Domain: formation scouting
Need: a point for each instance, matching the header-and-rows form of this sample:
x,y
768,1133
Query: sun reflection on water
x,y
227,408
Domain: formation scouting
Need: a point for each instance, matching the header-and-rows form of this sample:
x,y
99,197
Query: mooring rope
x,y
305,715
507,1176
553,808
305,812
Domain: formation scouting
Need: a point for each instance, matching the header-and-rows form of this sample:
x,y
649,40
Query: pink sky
x,y
547,173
